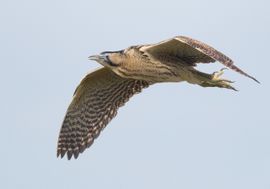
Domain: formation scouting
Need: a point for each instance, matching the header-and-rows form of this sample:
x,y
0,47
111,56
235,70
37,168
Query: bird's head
x,y
111,59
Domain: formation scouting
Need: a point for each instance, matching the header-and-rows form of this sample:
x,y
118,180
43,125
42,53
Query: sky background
x,y
173,135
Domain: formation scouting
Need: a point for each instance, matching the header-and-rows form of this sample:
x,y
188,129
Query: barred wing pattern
x,y
94,104
192,51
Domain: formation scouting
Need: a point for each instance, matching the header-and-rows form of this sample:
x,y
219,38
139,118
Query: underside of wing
x,y
94,104
191,51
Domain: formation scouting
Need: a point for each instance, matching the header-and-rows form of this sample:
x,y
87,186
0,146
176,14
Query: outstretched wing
x,y
95,103
191,51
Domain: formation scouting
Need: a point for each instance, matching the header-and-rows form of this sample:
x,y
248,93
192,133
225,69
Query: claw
x,y
222,69
219,82
228,81
231,87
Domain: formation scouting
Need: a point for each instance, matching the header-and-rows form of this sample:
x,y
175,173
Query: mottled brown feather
x,y
94,104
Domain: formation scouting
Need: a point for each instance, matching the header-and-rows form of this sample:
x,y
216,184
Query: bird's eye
x,y
110,62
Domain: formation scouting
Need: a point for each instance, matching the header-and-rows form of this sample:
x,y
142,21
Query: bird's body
x,y
126,73
138,66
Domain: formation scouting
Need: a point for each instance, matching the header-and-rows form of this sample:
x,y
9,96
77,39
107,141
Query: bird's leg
x,y
216,81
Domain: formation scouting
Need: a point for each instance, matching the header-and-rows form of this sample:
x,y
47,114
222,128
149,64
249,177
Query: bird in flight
x,y
127,72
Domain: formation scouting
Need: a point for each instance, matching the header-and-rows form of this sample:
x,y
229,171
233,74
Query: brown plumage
x,y
94,104
127,72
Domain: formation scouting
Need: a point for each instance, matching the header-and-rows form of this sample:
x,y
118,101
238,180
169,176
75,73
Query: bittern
x,y
127,72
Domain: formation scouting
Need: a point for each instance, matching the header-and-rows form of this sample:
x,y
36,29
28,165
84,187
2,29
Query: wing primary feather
x,y
213,53
235,68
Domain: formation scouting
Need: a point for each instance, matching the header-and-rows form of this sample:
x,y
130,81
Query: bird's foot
x,y
217,81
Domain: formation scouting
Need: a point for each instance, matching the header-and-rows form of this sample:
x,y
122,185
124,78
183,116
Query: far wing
x,y
191,51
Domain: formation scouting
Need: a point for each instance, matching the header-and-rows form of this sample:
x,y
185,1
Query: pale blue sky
x,y
171,135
